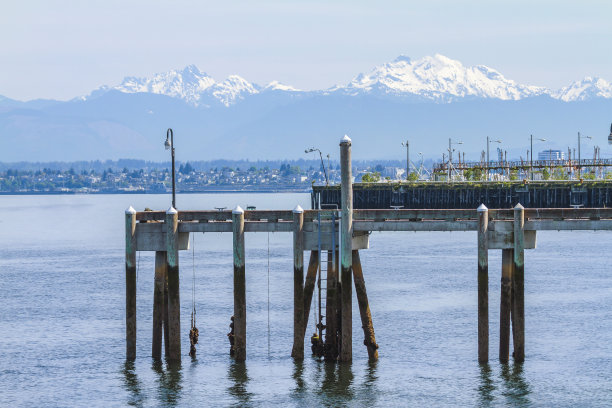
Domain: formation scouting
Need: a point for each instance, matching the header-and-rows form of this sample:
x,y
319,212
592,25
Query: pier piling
x,y
309,285
504,304
346,242
331,308
518,285
298,283
158,303
239,285
174,302
364,308
483,284
130,283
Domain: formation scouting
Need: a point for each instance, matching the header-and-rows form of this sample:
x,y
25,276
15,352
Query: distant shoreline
x,y
221,191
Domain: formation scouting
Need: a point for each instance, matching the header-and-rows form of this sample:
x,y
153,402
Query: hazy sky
x,y
61,49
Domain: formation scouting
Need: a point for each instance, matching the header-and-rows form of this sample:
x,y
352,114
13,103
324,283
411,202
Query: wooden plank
x,y
568,225
505,240
361,240
415,226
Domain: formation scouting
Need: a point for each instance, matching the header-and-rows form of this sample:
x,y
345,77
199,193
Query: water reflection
x,y
369,390
170,382
239,379
486,386
132,384
517,389
298,376
337,383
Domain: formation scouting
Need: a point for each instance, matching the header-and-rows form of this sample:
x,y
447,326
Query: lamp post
x,y
531,153
170,146
579,164
488,161
450,155
407,145
313,149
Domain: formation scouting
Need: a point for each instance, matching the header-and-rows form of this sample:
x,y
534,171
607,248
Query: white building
x,y
551,155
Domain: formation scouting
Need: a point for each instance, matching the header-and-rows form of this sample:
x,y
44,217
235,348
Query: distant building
x,y
551,155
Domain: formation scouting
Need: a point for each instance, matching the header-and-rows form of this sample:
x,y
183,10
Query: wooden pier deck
x,y
342,234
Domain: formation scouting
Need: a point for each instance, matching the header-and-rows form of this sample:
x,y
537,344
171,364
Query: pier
x,y
336,239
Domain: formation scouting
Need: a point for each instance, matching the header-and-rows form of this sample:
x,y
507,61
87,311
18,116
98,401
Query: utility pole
x,y
407,145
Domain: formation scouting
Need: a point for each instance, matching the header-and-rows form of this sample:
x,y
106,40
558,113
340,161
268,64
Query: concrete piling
x,y
239,285
174,300
518,285
346,242
298,283
130,283
483,284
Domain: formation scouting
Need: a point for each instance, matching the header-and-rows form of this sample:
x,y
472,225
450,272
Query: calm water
x,y
62,317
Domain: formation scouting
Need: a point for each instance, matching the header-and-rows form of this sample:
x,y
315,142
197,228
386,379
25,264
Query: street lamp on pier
x,y
407,146
170,146
314,149
531,155
488,161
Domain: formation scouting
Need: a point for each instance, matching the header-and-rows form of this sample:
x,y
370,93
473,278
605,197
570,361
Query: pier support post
x,y
239,285
130,283
298,283
346,242
331,309
158,303
518,285
165,311
364,309
309,284
504,304
174,300
483,284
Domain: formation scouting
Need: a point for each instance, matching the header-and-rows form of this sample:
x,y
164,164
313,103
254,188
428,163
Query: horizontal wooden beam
x,y
359,225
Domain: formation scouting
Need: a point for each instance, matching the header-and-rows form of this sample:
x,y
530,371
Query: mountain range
x,y
426,100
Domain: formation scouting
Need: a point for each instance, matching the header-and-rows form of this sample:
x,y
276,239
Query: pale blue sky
x,y
61,49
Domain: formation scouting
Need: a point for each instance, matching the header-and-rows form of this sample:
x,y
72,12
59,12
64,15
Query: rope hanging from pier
x,y
194,333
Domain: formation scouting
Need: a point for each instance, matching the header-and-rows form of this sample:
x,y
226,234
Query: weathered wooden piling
x,y
298,283
158,303
130,283
504,304
331,310
346,242
239,285
518,285
309,285
483,284
174,300
364,308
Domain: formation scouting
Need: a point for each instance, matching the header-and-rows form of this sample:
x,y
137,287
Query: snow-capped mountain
x,y
586,89
439,78
435,78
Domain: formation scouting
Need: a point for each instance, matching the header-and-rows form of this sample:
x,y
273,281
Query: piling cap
x,y
298,209
238,210
345,139
519,207
171,210
130,210
482,208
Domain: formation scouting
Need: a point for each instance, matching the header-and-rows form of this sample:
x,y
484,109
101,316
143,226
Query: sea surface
x,y
62,317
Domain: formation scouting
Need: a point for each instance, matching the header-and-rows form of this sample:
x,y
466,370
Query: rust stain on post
x,y
239,285
174,301
483,285
364,308
158,303
518,285
298,283
130,283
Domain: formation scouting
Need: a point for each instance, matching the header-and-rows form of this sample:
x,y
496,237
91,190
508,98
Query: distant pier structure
x,y
336,236
469,195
